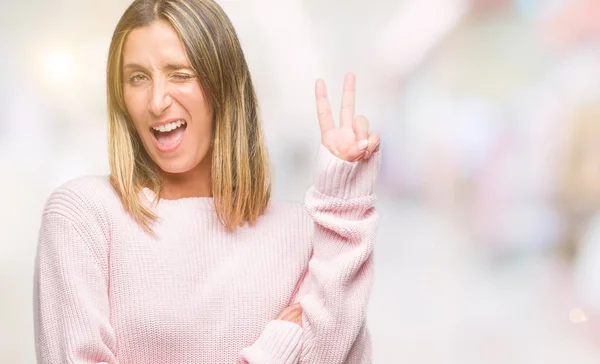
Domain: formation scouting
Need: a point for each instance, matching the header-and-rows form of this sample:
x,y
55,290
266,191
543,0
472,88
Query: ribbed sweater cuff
x,y
345,180
279,343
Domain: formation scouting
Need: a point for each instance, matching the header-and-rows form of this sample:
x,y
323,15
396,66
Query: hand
x,y
291,313
352,140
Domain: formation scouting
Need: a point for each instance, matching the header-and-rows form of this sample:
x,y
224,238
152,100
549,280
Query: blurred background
x,y
489,110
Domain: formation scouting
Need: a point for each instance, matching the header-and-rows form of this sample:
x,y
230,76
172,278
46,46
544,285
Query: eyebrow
x,y
168,67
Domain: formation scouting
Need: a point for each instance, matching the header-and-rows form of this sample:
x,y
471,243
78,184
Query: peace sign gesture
x,y
352,140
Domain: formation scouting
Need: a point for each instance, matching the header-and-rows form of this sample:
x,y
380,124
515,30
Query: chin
x,y
175,166
182,164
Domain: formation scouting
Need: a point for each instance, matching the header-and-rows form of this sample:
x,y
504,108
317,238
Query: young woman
x,y
179,256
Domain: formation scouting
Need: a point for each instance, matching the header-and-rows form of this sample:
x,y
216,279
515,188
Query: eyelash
x,y
182,76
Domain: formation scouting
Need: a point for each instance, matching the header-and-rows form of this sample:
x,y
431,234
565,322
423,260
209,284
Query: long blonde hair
x,y
241,184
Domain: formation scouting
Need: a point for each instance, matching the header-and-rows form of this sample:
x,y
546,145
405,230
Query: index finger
x,y
323,107
347,112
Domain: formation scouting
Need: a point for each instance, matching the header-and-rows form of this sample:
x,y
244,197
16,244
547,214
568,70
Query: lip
x,y
164,122
170,148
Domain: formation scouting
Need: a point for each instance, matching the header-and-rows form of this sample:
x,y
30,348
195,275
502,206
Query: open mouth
x,y
168,136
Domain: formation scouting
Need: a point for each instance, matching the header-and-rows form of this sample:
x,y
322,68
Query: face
x,y
165,100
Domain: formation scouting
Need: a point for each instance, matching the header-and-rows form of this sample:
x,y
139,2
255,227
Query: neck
x,y
193,183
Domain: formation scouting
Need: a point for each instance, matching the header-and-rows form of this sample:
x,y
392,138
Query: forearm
x,y
336,290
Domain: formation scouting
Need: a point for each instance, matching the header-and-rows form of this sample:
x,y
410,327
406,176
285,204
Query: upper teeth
x,y
169,126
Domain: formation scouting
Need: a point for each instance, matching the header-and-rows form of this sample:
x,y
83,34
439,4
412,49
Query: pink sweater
x,y
106,292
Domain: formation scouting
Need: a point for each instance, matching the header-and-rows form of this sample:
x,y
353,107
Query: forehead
x,y
156,44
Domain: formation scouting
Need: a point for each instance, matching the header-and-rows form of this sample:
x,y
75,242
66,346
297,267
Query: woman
x,y
179,256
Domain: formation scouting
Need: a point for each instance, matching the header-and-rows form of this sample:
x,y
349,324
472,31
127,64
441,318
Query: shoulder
x,y
83,198
285,207
288,221
79,214
287,212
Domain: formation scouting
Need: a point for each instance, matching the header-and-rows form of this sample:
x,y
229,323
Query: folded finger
x,y
374,140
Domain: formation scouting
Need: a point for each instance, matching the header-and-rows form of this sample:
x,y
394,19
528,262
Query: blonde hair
x,y
241,184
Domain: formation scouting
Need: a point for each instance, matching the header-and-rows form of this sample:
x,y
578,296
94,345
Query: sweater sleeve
x,y
336,289
71,307
279,343
334,292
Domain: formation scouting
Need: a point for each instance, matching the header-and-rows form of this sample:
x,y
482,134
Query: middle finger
x,y
347,111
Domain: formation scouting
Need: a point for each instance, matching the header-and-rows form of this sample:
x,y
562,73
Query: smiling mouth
x,y
169,136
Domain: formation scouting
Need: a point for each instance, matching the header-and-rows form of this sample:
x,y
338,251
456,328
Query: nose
x,y
160,99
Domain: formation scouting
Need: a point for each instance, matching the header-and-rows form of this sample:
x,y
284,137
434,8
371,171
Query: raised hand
x,y
351,141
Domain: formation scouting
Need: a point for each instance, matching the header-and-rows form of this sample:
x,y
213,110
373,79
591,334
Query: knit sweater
x,y
108,292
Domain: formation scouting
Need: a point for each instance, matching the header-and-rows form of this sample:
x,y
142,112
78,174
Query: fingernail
x,y
363,144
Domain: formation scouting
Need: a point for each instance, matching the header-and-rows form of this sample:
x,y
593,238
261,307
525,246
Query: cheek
x,y
203,118
199,110
135,107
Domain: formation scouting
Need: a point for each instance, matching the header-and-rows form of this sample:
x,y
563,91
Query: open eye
x,y
137,78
